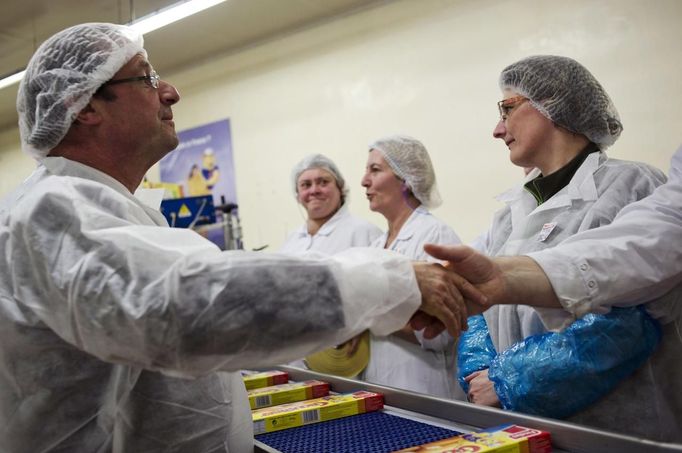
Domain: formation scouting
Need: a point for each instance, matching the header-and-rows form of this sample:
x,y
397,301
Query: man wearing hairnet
x,y
105,312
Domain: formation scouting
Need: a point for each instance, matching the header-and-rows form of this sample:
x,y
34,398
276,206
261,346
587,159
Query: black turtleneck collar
x,y
545,187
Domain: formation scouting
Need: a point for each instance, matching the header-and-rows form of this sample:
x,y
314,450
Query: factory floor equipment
x,y
410,418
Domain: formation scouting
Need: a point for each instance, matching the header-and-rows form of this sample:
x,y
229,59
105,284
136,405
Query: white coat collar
x,y
581,186
411,225
328,227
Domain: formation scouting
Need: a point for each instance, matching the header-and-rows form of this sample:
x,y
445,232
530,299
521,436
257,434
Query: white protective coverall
x,y
105,314
342,231
597,192
432,367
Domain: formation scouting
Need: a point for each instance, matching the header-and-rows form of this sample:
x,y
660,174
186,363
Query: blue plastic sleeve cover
x,y
475,350
559,374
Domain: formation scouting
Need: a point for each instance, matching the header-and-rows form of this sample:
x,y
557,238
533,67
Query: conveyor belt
x,y
460,416
373,432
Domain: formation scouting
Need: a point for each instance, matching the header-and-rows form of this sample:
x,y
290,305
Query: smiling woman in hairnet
x,y
112,325
557,118
321,189
330,228
400,184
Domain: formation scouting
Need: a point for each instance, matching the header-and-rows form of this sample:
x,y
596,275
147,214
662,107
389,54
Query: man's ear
x,y
89,115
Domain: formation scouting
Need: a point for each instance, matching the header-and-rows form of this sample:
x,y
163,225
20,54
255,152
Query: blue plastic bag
x,y
559,374
475,350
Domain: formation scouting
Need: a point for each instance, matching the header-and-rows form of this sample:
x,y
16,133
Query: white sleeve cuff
x,y
379,289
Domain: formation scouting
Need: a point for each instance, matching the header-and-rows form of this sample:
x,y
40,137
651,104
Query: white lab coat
x,y
599,189
431,368
597,192
342,231
106,315
637,258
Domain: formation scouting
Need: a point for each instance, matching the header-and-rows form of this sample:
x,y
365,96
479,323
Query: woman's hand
x,y
481,390
352,344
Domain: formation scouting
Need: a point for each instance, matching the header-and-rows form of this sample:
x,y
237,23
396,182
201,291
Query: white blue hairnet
x,y
323,162
62,76
410,161
568,94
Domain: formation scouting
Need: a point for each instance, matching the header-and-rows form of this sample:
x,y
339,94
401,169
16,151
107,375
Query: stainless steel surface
x,y
565,436
261,447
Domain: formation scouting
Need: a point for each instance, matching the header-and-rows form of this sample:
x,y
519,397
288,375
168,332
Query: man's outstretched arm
x,y
502,280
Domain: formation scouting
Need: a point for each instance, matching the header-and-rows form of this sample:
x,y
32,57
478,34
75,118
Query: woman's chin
x,y
376,208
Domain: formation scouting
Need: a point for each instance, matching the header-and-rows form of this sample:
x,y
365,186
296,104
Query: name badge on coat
x,y
547,229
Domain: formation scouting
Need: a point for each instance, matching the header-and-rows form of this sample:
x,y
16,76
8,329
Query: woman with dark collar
x,y
557,118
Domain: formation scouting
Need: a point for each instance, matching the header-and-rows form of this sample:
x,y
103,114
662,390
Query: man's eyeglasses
x,y
152,80
507,105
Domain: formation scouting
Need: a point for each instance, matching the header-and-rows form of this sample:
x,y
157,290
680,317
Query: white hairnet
x,y
568,94
62,76
323,162
410,161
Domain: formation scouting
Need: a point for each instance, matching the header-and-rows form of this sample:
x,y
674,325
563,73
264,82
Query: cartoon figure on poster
x,y
209,169
196,183
203,164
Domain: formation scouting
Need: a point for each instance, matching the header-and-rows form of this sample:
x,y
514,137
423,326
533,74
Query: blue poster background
x,y
203,162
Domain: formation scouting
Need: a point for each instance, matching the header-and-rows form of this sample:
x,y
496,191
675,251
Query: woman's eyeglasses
x,y
505,106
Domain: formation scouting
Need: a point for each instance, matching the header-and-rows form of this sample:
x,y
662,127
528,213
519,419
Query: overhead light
x,y
145,24
12,79
173,13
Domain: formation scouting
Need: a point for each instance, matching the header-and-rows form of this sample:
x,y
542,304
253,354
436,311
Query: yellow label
x,y
290,396
256,382
302,413
478,442
342,410
275,398
283,422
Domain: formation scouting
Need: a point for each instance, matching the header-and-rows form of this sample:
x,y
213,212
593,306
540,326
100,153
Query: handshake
x,y
469,283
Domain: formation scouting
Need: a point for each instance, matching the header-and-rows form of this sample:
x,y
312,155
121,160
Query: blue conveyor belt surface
x,y
372,432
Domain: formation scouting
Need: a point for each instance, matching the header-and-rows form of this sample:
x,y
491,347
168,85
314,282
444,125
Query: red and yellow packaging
x,y
290,415
258,379
287,393
500,439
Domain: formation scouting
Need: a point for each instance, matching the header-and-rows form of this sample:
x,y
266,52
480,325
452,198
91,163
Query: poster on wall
x,y
203,166
203,163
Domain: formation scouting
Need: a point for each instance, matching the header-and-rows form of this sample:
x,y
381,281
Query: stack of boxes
x,y
278,404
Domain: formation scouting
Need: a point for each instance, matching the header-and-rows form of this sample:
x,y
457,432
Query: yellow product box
x,y
258,379
287,393
290,415
500,439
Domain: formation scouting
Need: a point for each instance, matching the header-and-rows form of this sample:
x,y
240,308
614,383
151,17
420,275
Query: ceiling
x,y
227,27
